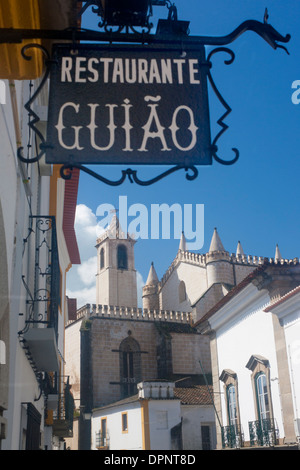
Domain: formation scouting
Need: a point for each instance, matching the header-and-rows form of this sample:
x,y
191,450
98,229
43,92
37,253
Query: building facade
x,y
112,348
252,364
160,416
37,243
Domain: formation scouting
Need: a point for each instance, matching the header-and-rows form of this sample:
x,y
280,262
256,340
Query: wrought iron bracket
x,y
220,121
33,117
66,173
264,30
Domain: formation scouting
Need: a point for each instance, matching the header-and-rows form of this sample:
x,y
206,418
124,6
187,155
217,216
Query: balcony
x,y
39,336
263,433
102,441
63,415
232,437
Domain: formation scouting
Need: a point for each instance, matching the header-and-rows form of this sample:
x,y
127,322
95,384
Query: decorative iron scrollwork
x,y
220,121
66,173
44,290
33,117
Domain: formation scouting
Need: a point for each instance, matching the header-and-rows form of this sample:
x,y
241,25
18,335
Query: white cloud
x,y
84,296
87,231
87,271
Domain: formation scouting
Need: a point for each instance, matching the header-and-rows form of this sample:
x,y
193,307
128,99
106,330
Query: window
x,y
124,422
130,366
103,426
102,258
232,405
260,378
33,435
205,437
122,261
181,292
263,402
103,433
232,435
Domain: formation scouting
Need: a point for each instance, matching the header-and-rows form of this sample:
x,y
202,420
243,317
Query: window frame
x,y
229,379
232,406
124,428
263,405
122,250
259,366
182,292
102,258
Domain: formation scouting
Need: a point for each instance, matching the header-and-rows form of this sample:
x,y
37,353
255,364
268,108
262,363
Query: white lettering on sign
x,y
153,122
129,71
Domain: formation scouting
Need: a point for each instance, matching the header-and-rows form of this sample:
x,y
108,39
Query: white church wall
x,y
194,278
292,335
288,312
248,332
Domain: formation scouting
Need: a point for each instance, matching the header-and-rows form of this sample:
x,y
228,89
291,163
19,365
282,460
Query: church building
x,y
114,345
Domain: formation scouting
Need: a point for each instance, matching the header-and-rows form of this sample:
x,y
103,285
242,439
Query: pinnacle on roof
x,y
152,276
216,244
277,254
239,249
114,229
182,244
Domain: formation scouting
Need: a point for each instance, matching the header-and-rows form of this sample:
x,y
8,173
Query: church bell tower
x,y
116,275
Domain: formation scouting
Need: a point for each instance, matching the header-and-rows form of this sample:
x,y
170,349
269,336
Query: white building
x,y
287,310
37,244
160,417
252,331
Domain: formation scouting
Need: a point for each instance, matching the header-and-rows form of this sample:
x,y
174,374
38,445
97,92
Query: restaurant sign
x,y
121,104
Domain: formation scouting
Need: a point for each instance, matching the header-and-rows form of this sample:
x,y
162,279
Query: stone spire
x,y
152,278
277,254
182,244
239,250
216,244
150,291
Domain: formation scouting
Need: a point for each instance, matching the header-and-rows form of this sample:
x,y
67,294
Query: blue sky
x,y
256,200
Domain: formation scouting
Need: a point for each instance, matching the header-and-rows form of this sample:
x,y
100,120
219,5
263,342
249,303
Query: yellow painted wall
x,y
23,14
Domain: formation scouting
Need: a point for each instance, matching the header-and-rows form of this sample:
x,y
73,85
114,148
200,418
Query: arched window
x,y
232,405
231,434
122,260
263,402
130,366
181,292
102,258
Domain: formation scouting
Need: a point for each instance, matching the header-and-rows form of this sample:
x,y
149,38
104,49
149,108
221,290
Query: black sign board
x,y
128,104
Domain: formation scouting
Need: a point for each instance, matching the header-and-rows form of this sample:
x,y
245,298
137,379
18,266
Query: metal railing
x,y
102,440
64,415
263,433
232,437
43,288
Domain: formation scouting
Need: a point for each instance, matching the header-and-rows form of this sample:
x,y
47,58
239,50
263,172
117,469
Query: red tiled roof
x,y
71,191
196,395
283,299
